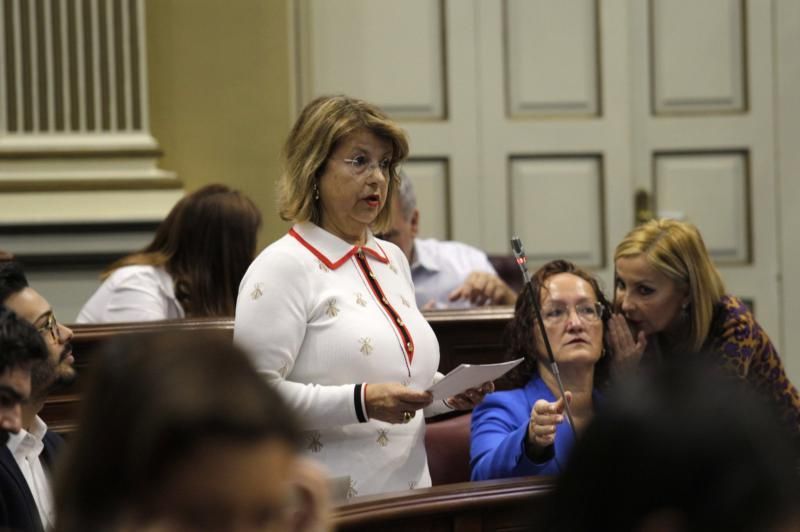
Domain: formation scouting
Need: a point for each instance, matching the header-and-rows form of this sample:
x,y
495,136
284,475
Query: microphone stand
x,y
522,261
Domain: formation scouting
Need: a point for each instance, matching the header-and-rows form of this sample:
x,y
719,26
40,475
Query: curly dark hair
x,y
522,331
20,343
12,279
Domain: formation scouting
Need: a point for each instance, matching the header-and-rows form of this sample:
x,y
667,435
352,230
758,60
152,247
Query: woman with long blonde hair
x,y
671,300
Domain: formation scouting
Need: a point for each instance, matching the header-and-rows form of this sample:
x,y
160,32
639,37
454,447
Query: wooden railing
x,y
473,336
492,505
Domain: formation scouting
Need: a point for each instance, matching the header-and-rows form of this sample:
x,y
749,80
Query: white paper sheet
x,y
468,376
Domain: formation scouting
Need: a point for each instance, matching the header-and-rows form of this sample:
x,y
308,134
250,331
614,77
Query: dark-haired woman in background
x,y
523,431
192,267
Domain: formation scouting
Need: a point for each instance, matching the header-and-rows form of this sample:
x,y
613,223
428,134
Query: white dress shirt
x,y
440,267
133,293
27,448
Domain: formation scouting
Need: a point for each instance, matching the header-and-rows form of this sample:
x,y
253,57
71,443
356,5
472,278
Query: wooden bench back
x,y
473,336
492,505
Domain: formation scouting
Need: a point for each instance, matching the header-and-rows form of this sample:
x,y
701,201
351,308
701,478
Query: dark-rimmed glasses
x,y
52,327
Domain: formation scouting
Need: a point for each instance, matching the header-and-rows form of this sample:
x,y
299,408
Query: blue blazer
x,y
17,508
499,428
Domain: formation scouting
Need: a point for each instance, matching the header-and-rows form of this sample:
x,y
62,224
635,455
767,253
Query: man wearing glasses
x,y
33,445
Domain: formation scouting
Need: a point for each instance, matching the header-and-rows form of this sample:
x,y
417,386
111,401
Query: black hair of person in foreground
x,y
179,433
681,448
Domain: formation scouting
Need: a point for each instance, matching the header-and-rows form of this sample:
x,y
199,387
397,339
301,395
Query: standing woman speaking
x,y
328,311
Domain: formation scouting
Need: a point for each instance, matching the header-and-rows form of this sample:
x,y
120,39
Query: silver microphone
x,y
522,261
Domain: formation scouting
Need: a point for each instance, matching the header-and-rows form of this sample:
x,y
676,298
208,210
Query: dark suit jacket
x,y
18,510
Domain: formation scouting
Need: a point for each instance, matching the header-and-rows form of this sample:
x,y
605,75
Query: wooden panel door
x,y
554,123
703,133
415,59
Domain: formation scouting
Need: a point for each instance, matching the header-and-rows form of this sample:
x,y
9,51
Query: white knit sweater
x,y
317,327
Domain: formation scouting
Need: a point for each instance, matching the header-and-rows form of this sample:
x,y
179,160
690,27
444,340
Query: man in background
x,y
21,346
445,274
34,447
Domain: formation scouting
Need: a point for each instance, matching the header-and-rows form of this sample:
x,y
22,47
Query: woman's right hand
x,y
626,351
394,403
545,417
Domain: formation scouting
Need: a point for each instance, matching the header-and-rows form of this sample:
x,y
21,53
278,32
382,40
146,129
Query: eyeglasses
x,y
362,166
52,327
587,313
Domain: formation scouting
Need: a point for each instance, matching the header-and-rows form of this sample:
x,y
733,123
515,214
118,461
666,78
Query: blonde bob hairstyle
x,y
324,123
676,249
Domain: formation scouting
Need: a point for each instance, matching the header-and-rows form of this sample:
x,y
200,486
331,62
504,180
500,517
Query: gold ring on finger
x,y
407,416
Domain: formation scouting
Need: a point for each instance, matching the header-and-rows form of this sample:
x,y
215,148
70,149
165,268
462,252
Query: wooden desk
x,y
492,505
473,336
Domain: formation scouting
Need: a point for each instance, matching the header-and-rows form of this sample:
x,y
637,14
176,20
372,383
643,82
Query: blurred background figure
x,y
524,430
20,346
445,274
192,268
680,449
34,448
179,433
22,507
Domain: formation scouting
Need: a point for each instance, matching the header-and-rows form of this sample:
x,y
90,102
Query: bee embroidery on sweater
x,y
258,291
383,437
332,309
315,444
352,491
366,345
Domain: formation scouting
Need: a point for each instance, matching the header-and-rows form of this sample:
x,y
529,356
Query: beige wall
x,y
219,94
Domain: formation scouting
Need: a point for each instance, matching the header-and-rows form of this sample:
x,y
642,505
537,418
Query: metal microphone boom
x,y
522,261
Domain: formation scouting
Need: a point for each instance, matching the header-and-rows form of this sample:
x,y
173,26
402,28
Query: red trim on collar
x,y
317,253
334,265
381,258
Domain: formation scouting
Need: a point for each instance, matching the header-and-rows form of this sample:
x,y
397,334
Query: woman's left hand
x,y
469,399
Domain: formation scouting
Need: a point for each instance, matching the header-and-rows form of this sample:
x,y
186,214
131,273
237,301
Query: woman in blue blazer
x,y
524,430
